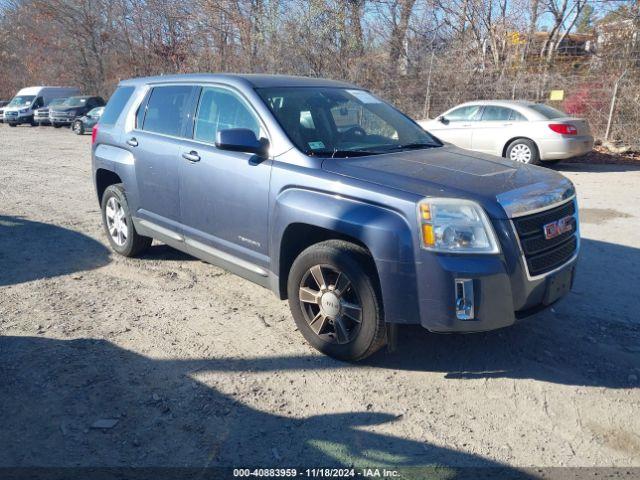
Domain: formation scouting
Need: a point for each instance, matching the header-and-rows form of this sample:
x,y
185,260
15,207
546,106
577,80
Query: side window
x,y
462,114
517,117
168,110
492,113
38,103
221,109
116,104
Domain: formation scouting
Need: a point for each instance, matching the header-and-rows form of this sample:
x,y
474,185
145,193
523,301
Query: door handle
x,y
192,156
133,142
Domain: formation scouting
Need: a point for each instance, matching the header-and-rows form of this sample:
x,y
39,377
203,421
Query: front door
x,y
457,126
224,195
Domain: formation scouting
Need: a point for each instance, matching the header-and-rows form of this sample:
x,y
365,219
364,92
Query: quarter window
x,y
168,110
221,109
116,103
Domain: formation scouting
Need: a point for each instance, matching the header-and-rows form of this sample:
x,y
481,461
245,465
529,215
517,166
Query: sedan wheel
x,y
330,305
521,153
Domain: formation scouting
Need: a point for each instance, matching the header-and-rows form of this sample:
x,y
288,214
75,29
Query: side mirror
x,y
443,120
241,140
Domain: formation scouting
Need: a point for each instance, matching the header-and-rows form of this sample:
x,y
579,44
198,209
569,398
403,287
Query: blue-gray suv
x,y
333,199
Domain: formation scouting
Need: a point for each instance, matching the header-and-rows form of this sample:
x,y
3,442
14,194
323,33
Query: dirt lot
x,y
183,364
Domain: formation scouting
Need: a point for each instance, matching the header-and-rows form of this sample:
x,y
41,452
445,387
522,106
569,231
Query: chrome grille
x,y
541,254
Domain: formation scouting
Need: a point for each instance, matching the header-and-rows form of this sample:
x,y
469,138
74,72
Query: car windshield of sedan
x,y
75,102
21,101
341,122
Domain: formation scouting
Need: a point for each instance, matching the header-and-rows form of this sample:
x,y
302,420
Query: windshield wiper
x,y
411,146
342,153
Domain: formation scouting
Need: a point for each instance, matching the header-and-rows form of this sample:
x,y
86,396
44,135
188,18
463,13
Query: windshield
x,y
57,101
342,122
75,102
22,101
95,112
547,111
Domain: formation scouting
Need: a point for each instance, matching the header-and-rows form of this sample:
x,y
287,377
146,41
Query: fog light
x,y
464,299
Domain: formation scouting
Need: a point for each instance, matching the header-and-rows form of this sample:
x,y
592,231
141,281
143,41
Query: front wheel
x,y
335,301
116,217
523,150
56,125
78,127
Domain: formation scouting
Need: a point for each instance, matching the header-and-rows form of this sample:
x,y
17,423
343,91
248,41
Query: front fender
x,y
383,231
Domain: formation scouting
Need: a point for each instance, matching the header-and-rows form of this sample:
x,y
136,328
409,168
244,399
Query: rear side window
x,y
492,113
168,110
115,105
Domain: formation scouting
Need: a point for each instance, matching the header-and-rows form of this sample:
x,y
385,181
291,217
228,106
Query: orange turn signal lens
x,y
425,211
428,237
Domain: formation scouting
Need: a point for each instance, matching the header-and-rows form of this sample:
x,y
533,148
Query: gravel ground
x,y
165,360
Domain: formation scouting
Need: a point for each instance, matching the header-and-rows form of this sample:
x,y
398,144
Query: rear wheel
x,y
334,299
118,224
523,150
56,125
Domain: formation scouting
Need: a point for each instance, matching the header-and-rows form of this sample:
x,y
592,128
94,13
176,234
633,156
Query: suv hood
x,y
504,188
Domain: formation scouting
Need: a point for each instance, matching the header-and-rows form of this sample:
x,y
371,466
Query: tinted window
x,y
463,113
116,103
220,109
168,110
493,113
547,111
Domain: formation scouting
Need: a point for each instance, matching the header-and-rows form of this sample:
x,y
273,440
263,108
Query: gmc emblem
x,y
553,229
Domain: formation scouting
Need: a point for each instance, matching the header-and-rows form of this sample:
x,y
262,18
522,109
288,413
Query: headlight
x,y
455,226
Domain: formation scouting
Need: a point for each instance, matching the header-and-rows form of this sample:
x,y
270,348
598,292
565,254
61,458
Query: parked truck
x,y
22,107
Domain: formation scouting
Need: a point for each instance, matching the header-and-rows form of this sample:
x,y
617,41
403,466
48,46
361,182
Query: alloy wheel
x,y
116,222
330,304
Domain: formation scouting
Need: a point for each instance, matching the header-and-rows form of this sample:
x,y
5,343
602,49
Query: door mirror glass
x,y
442,119
241,140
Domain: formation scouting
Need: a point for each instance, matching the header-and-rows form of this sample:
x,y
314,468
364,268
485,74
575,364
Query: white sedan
x,y
521,131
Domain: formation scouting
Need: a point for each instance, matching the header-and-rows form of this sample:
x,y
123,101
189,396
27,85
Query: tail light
x,y
563,128
94,134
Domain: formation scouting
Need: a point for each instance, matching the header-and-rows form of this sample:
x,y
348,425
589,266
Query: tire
x,y
132,244
328,322
523,150
56,125
13,125
78,127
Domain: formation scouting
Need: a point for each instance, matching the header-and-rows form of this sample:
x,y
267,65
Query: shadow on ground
x,y
591,337
54,390
32,250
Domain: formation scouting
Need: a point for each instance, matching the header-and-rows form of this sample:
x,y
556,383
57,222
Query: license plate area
x,y
558,285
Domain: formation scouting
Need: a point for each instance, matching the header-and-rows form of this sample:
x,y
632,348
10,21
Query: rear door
x,y
160,123
224,195
497,125
457,125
